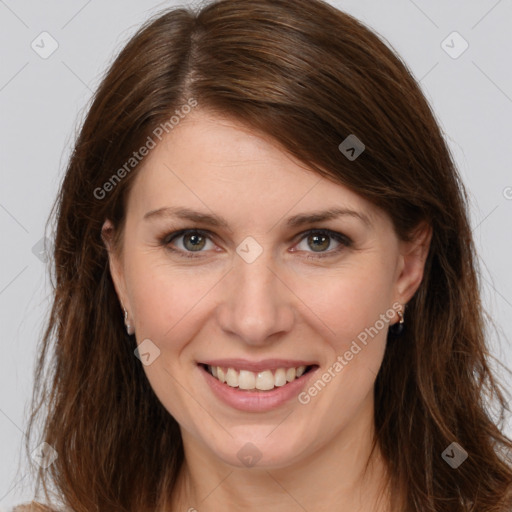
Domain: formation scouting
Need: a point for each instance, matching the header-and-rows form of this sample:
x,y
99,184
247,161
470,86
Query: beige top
x,y
31,507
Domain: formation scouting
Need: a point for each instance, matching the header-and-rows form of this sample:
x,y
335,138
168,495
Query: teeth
x,y
280,377
232,378
246,380
263,381
290,374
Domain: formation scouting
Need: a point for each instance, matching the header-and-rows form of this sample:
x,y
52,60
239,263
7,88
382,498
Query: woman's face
x,y
236,256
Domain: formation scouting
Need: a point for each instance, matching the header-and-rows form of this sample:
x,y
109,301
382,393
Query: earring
x,y
129,329
398,328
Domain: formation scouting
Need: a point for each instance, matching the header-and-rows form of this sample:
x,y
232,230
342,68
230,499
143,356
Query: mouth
x,y
264,380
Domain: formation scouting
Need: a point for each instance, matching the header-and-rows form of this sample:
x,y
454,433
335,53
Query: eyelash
x,y
343,240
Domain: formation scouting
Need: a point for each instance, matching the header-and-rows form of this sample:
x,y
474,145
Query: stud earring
x,y
398,328
129,329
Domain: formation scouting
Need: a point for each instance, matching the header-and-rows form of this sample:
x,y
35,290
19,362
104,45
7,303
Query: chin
x,y
254,447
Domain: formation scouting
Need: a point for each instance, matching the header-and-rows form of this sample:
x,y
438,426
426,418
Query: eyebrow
x,y
218,221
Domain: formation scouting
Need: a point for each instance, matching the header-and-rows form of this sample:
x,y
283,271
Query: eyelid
x,y
344,241
168,237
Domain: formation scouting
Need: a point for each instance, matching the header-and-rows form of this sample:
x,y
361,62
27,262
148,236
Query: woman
x,y
266,294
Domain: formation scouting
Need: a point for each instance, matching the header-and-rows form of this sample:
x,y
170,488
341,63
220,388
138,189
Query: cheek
x,y
349,301
166,304
164,299
356,307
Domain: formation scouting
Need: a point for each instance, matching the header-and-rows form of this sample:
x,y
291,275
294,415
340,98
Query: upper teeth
x,y
264,381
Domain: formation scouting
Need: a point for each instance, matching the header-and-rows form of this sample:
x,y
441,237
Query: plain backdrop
x,y
43,99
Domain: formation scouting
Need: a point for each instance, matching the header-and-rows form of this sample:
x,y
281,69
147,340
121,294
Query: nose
x,y
256,305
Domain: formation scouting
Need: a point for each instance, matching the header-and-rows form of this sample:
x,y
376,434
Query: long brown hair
x,y
307,75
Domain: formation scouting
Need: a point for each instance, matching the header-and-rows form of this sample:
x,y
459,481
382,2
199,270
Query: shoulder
x,y
32,507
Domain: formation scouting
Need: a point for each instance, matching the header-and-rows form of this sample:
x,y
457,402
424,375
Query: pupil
x,y
323,239
197,242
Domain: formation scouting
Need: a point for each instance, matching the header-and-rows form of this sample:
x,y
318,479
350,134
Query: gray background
x,y
42,101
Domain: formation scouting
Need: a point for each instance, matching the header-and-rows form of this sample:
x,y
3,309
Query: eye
x,y
317,242
187,241
320,241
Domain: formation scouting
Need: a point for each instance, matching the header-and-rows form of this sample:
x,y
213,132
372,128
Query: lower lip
x,y
256,401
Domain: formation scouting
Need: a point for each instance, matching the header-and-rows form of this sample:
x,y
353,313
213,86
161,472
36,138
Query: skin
x,y
282,305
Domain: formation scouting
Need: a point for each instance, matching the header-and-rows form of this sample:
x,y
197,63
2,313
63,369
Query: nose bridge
x,y
256,305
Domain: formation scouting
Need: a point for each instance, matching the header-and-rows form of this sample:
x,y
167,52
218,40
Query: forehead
x,y
222,165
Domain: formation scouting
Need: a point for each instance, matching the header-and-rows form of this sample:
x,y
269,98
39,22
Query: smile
x,y
256,386
265,380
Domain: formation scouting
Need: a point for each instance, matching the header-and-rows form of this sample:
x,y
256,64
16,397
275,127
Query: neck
x,y
334,476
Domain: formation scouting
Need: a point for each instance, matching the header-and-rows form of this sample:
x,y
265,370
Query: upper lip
x,y
257,366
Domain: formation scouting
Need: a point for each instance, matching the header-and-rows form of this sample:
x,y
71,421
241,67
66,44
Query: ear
x,y
115,261
413,254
